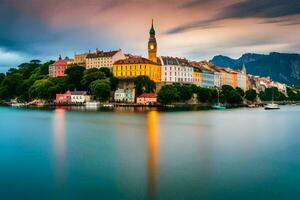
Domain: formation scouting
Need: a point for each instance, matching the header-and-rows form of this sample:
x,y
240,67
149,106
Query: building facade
x,y
242,79
124,95
176,70
208,78
147,99
80,59
80,97
137,66
58,68
197,76
101,59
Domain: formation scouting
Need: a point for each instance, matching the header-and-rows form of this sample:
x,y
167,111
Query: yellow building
x,y
137,66
225,77
197,76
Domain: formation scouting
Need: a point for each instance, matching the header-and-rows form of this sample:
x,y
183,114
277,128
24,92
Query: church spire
x,y
152,31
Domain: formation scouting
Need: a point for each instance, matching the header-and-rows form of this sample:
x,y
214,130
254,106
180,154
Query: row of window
x,y
179,74
190,69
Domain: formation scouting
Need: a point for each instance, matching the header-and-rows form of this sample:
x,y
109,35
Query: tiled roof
x,y
101,54
79,93
148,95
135,60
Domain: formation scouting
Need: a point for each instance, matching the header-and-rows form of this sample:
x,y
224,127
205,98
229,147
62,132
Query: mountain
x,y
281,67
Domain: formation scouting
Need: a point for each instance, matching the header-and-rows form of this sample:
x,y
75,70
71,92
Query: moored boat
x,y
272,106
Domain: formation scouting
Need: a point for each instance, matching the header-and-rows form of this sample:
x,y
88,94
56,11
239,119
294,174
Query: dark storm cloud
x,y
264,9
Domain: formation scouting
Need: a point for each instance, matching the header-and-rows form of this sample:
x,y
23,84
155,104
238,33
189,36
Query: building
x,y
124,95
58,68
197,76
80,59
63,98
225,77
73,97
80,97
101,59
147,99
176,70
152,45
137,66
208,78
242,79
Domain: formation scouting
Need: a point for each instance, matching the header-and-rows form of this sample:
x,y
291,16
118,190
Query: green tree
x,y
185,92
35,61
114,81
204,95
240,91
106,71
168,94
143,84
91,75
2,77
101,89
233,97
74,76
43,89
251,95
12,86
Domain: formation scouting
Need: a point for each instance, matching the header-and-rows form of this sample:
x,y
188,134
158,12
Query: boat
x,y
92,104
272,106
18,104
218,105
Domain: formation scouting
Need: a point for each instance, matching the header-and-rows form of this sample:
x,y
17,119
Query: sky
x,y
194,29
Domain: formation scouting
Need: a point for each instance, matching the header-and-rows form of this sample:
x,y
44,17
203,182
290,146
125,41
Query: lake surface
x,y
232,154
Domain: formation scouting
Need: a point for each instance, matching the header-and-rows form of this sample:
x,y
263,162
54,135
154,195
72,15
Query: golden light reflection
x,y
59,134
153,150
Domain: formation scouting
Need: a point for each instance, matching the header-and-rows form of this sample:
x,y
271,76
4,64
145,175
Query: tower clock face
x,y
151,46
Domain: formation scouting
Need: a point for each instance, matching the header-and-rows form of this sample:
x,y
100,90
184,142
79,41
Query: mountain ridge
x,y
281,67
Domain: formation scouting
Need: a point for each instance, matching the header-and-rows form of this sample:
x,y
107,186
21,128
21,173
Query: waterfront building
x,y
176,70
101,59
58,68
242,78
80,97
197,76
234,78
147,99
73,97
137,66
225,77
124,95
208,78
63,98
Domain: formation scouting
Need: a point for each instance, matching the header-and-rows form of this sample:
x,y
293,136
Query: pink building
x,y
63,98
147,98
58,68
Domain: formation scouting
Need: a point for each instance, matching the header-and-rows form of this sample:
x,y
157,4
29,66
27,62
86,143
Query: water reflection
x,y
153,150
59,134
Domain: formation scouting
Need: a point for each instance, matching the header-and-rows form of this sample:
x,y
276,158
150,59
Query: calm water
x,y
232,154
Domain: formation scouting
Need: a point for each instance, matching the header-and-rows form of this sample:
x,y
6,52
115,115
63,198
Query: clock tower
x,y
152,45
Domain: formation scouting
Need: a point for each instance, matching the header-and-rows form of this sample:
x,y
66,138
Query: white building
x,y
101,59
242,79
124,95
80,97
176,70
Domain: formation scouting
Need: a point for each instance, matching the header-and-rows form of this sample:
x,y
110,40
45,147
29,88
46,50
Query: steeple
x,y
152,31
244,69
152,45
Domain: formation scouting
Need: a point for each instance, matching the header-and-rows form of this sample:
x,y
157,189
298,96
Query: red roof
x,y
135,60
148,95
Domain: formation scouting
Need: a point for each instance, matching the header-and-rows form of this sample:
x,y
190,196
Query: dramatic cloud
x,y
43,29
281,10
